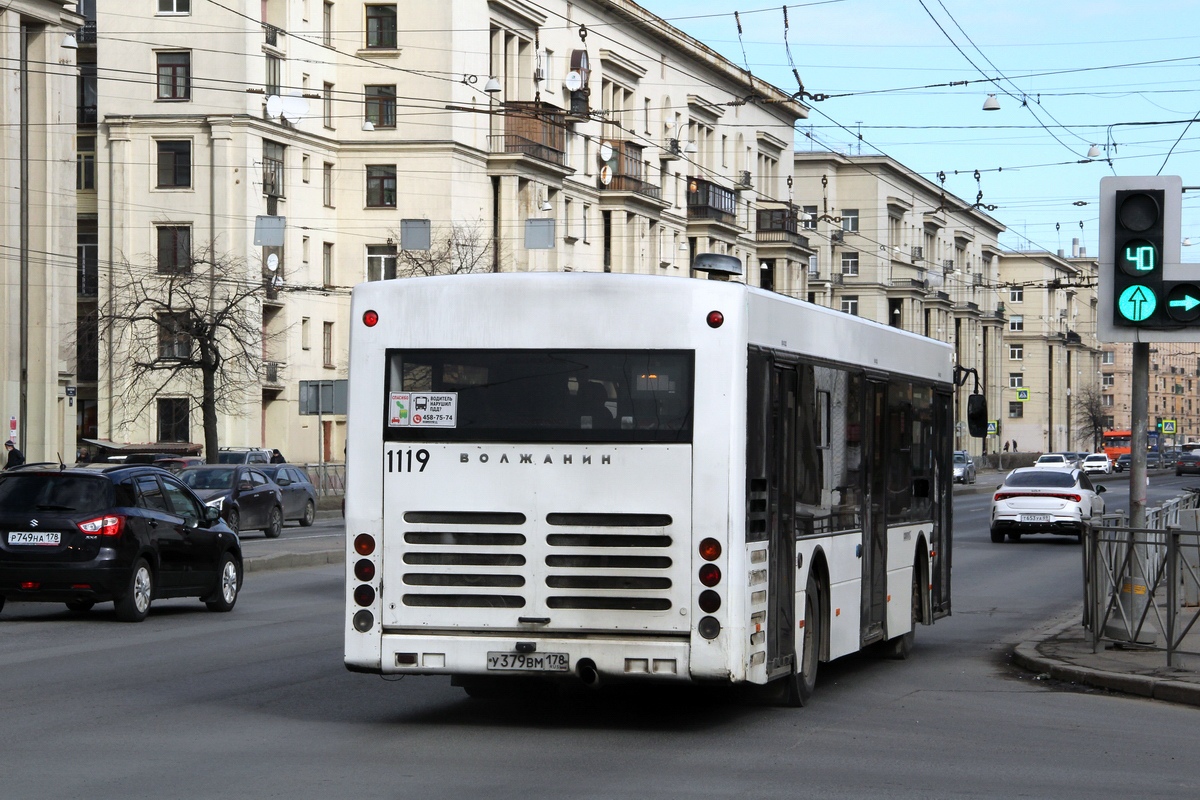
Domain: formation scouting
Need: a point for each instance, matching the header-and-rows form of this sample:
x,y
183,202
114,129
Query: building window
x,y
850,305
327,263
381,106
1016,410
327,105
327,342
1016,352
381,262
274,68
849,263
809,217
305,333
1107,379
381,27
1016,294
174,76
1106,400
1016,323
85,163
583,223
174,249
381,187
273,153
850,220
174,343
175,7
327,184
173,424
174,164
327,25
1016,380
304,168
1108,357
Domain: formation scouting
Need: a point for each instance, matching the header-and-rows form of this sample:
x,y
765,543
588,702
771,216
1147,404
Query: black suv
x,y
126,533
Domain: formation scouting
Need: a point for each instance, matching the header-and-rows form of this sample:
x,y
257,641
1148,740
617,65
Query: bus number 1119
x,y
402,460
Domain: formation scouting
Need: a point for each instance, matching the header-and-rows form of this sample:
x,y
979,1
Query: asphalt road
x,y
256,704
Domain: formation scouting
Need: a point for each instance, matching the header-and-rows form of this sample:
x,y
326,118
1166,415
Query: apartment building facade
x,y
894,247
500,136
37,227
1052,359
1174,381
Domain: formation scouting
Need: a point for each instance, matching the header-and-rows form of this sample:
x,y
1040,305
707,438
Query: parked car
x,y
177,463
299,494
1053,460
1188,461
1032,500
1097,462
243,455
964,467
246,498
1122,463
130,534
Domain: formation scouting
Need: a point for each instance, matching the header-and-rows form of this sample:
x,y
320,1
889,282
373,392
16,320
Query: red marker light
x,y
710,575
364,544
715,319
370,318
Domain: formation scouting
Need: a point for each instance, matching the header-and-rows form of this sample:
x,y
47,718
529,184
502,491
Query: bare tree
x,y
1089,415
456,249
194,331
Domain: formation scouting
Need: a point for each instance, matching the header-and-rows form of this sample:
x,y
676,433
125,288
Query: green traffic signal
x,y
1137,303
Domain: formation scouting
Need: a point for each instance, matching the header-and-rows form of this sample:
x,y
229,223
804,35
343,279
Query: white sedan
x,y
1097,462
1033,500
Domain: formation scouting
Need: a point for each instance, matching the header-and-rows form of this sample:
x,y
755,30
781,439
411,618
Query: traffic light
x,y
1139,249
1137,255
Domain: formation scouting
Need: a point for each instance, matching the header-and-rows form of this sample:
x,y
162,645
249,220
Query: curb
x,y
293,560
1027,656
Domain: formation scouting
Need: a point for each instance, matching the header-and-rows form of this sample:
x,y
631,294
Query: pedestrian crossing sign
x,y
1168,426
1022,395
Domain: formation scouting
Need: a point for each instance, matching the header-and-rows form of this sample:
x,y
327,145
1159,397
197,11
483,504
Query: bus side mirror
x,y
977,421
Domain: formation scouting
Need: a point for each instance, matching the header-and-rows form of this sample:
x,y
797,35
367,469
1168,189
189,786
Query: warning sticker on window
x,y
423,409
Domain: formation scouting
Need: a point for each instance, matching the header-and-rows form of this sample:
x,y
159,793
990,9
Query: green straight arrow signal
x,y
1187,303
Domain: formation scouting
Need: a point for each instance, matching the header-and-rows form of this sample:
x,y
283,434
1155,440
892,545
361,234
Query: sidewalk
x,y
1062,650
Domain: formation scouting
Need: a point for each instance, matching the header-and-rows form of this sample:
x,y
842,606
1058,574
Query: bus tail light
x,y
364,569
709,627
710,549
715,319
709,601
364,595
370,318
364,544
363,621
710,574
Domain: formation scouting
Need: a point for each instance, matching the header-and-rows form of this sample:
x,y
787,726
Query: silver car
x,y
964,467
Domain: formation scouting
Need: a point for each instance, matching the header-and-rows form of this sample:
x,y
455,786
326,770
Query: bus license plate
x,y
528,662
1036,518
51,538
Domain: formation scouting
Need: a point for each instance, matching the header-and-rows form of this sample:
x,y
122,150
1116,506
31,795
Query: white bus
x,y
613,477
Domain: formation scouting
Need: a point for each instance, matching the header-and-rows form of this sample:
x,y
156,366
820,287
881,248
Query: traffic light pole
x,y
1139,404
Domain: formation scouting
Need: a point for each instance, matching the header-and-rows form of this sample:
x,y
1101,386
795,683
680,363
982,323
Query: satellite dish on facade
x,y
574,81
605,151
277,283
606,175
274,106
272,262
295,108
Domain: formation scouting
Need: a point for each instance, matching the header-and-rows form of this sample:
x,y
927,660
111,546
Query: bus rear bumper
x,y
537,656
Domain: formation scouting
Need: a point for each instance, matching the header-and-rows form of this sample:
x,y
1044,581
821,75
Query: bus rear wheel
x,y
796,690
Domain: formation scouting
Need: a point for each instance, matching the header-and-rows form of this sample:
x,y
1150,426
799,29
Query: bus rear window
x,y
539,395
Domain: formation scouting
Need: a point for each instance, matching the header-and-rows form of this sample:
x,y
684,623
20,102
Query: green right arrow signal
x,y
1187,303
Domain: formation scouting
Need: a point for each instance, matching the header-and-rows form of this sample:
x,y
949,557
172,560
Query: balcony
x,y
273,373
779,225
536,130
627,172
271,35
86,34
707,200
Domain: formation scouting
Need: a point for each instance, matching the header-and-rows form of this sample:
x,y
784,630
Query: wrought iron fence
x,y
329,479
1142,585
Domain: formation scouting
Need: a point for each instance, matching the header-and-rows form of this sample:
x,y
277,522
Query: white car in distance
x,y
1053,461
1097,462
1055,501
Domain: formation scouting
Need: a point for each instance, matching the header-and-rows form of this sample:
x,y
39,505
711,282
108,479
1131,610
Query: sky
x,y
1068,75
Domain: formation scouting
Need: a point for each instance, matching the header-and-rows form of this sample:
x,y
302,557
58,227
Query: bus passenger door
x,y
781,533
873,551
943,508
